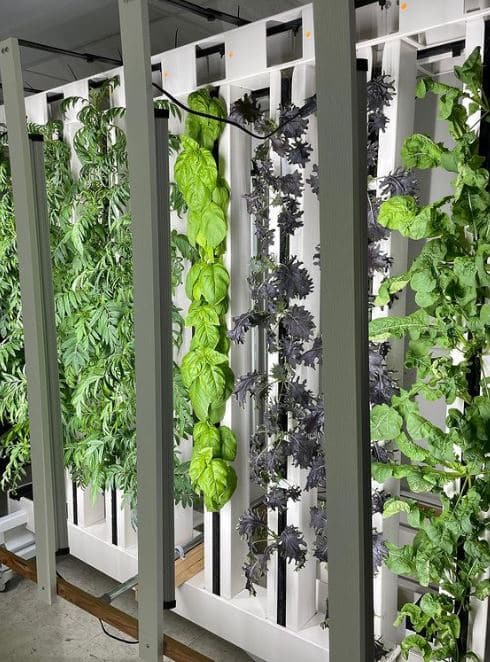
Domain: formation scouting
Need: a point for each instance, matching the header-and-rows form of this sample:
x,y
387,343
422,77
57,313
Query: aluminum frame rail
x,y
148,174
33,247
344,320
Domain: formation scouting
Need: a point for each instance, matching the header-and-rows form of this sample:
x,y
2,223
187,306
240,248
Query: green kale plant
x,y
205,368
448,337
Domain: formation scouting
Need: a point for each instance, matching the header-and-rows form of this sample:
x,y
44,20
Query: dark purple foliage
x,y
382,385
251,524
293,280
314,419
242,324
399,182
316,475
379,498
291,545
298,322
245,110
313,356
299,153
292,350
380,92
303,448
291,184
377,121
297,125
297,394
268,463
290,217
318,518
379,551
253,384
376,232
380,453
277,497
377,260
314,180
280,145
255,568
372,153
291,419
321,548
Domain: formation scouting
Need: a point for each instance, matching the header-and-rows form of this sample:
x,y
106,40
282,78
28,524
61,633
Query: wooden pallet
x,y
187,567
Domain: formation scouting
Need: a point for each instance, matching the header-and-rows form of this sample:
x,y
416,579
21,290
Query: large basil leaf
x,y
214,282
213,477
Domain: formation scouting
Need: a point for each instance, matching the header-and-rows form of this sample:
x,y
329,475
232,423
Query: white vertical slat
x,y
272,516
184,517
301,586
37,109
126,533
71,123
69,497
400,63
90,510
106,531
235,167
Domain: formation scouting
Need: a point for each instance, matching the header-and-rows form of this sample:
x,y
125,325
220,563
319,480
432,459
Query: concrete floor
x,y
31,631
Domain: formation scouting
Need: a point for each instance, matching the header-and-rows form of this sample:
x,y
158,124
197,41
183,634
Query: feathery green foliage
x,y
92,273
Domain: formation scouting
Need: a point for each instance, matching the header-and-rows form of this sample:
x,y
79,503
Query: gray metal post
x,y
32,225
153,332
164,280
344,308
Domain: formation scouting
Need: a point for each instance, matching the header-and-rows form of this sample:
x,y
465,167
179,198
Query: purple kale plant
x,y
289,414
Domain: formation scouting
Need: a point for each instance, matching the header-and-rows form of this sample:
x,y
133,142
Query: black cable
x,y
304,111
113,636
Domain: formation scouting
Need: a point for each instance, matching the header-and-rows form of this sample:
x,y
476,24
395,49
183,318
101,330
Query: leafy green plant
x,y
205,368
448,336
92,272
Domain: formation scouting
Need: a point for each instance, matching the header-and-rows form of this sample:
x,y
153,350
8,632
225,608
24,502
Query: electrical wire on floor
x,y
106,632
308,108
114,636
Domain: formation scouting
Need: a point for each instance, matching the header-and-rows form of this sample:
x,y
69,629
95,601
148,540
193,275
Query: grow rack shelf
x,y
238,69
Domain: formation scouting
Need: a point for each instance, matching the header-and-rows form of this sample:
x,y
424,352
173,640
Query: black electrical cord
x,y
304,111
106,632
113,636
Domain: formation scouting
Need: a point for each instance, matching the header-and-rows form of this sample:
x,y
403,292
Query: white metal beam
x,y
32,226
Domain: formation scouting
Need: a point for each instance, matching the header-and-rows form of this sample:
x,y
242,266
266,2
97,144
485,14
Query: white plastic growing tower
x,y
396,41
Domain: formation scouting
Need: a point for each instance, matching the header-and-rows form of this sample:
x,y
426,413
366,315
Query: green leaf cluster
x,y
93,285
205,368
447,337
